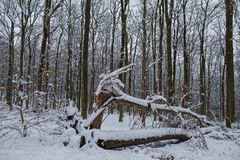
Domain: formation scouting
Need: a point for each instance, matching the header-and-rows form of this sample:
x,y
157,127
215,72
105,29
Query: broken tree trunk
x,y
117,139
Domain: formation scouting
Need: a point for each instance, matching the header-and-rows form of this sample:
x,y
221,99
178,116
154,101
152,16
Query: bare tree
x,y
8,20
168,18
229,64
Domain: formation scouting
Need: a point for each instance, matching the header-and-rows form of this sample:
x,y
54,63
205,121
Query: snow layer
x,y
44,142
71,109
133,134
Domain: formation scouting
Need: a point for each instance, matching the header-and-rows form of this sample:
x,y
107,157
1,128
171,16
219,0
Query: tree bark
x,y
56,70
23,36
203,61
168,19
114,12
122,77
9,96
186,81
160,64
79,96
69,82
229,64
144,59
105,140
85,60
46,27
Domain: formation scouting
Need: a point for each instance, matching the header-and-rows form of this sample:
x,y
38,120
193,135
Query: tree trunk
x,y
154,47
69,82
79,96
85,60
23,36
93,70
160,64
222,92
56,71
122,77
29,68
144,59
186,81
168,19
9,96
107,141
43,53
114,12
229,64
175,50
202,62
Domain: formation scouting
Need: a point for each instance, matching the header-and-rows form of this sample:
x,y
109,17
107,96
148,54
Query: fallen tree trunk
x,y
127,99
117,139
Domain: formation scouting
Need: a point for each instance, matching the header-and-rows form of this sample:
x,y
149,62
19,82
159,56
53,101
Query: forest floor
x,y
44,141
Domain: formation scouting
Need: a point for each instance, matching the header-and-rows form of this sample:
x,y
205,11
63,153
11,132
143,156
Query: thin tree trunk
x,y
186,81
92,81
69,82
80,61
168,19
144,59
202,62
29,69
124,4
175,49
23,36
113,36
154,48
160,64
56,70
9,96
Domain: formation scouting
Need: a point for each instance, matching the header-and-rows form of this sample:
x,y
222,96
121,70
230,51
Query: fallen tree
x,y
117,139
109,91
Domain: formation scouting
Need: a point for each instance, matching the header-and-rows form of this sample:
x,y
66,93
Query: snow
x,y
71,109
133,134
32,149
44,141
157,97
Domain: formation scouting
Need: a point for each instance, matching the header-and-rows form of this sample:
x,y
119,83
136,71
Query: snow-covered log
x,y
117,139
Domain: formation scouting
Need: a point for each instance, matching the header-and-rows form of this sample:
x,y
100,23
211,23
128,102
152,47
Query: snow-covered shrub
x,y
198,140
135,122
67,136
73,117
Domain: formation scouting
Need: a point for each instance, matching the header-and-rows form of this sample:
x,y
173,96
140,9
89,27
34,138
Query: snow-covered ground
x,y
44,142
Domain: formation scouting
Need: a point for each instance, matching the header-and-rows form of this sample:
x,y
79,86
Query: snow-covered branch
x,y
111,78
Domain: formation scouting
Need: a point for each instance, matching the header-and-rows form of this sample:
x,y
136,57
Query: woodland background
x,y
53,51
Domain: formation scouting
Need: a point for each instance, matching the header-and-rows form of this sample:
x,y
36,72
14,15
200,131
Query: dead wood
x,y
111,144
105,140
